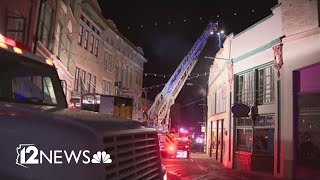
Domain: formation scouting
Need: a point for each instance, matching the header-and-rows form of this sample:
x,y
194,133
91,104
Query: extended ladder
x,y
159,112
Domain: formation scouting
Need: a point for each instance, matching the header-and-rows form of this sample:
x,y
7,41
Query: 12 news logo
x,y
29,154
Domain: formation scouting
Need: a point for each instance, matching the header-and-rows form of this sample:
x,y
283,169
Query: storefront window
x,y
244,134
244,140
263,141
264,134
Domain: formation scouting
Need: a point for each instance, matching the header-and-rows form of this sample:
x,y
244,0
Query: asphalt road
x,y
201,167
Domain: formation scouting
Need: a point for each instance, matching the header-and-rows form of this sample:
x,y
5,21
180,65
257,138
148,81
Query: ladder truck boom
x,y
159,112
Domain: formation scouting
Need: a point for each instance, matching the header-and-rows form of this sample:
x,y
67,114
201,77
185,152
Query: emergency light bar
x,y
5,42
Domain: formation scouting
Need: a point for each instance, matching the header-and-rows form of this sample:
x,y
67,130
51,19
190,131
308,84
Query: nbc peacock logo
x,y
101,157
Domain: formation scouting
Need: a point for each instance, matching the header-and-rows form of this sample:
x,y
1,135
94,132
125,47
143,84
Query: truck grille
x,y
135,155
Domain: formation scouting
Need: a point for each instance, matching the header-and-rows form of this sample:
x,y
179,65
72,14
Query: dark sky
x,y
166,44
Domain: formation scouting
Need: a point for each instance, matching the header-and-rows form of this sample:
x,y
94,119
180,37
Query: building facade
x,y
89,52
274,65
219,130
104,62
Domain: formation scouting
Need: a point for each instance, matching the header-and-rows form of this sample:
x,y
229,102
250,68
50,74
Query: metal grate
x,y
135,156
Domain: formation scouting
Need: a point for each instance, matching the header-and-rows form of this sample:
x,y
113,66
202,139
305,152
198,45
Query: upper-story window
x,y
220,100
256,87
80,35
15,26
76,79
96,47
245,91
46,25
108,61
91,43
86,35
265,86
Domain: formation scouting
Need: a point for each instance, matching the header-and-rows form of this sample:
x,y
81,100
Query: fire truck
x,y
34,113
175,144
158,114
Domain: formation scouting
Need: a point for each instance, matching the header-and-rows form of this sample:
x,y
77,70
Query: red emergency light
x,y
7,41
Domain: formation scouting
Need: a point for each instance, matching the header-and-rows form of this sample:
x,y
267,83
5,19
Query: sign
x,y
240,110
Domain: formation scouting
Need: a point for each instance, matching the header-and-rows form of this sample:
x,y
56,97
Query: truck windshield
x,y
25,80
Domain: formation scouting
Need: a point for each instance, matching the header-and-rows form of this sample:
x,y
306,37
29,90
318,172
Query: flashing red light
x,y
7,41
171,148
183,139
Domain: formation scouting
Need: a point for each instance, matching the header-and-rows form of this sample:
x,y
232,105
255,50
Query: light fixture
x,y
211,32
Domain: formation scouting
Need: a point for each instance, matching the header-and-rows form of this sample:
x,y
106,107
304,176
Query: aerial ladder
x,y
158,114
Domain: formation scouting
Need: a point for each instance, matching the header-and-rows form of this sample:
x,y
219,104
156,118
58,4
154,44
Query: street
x,y
201,167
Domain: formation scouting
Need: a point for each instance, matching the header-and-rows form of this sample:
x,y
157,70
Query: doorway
x,y
217,142
307,122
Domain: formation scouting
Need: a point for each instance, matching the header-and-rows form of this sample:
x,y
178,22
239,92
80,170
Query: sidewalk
x,y
218,171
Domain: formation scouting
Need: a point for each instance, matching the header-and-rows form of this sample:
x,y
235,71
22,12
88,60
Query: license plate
x,y
182,154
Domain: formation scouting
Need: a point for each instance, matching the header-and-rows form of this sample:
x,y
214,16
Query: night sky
x,y
166,30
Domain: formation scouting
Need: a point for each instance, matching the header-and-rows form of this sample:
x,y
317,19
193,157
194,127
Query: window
x,y
59,32
91,43
136,77
104,87
105,60
80,35
89,83
110,63
245,84
83,80
117,70
244,140
256,87
263,141
45,25
244,134
122,73
130,78
264,134
265,86
76,79
85,45
127,77
68,52
108,87
220,100
94,82
96,47
15,26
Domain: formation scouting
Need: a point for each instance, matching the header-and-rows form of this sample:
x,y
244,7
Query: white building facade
x,y
274,63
